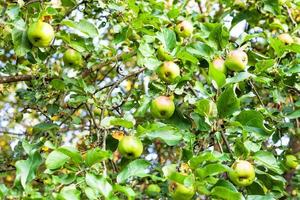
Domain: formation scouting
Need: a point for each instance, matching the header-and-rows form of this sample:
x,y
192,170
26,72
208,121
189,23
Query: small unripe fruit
x,y
72,58
181,192
168,71
162,54
40,34
152,190
130,147
236,60
242,174
162,107
219,65
291,161
184,28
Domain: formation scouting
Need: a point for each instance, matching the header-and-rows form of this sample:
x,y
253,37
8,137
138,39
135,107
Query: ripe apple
x,y
285,38
40,34
291,161
181,192
130,147
242,174
236,60
152,190
162,54
218,65
168,71
184,28
72,58
162,107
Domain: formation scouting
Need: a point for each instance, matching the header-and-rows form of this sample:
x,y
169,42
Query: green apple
x,y
236,60
162,54
219,65
162,107
285,38
40,34
130,147
152,190
181,192
184,28
291,161
72,58
242,173
168,71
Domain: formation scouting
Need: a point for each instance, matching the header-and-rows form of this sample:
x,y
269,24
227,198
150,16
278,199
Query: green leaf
x,y
206,107
84,26
226,193
218,77
71,152
56,160
96,156
211,170
253,121
228,102
294,115
261,197
168,134
99,184
184,55
195,162
239,77
267,159
58,84
26,169
146,50
3,190
201,123
125,190
90,193
168,39
135,168
201,50
69,193
263,65
121,122
19,38
45,127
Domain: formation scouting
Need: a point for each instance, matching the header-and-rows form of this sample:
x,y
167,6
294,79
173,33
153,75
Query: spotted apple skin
x,y
181,192
242,173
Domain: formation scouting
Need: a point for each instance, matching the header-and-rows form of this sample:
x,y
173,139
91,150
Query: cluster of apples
x,y
41,34
163,107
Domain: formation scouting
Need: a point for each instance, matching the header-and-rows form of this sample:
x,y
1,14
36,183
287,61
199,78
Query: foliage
x,y
60,125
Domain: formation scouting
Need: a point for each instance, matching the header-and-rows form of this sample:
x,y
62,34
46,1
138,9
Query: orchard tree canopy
x,y
150,99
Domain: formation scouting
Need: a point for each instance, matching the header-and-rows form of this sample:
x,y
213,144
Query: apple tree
x,y
150,99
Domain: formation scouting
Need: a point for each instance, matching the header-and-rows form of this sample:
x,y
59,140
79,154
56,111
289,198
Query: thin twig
x,y
226,142
290,15
256,93
70,115
91,115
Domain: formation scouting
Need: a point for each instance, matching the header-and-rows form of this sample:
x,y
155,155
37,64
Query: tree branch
x,y
85,73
